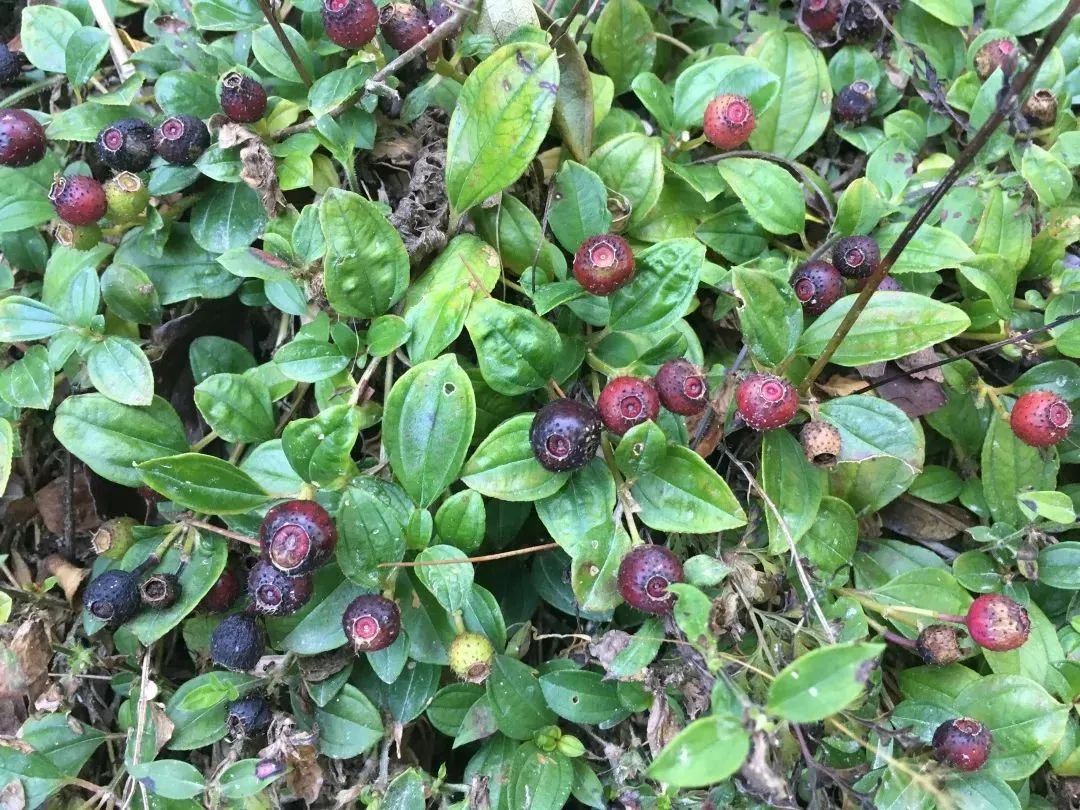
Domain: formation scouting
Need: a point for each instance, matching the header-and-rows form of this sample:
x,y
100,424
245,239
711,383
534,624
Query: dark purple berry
x,y
276,594
242,98
603,263
939,645
1041,418
766,402
998,623
10,65
644,575
856,256
820,15
371,623
160,591
888,284
854,103
126,145
181,139
350,23
729,121
682,387
963,743
439,13
78,199
627,401
22,139
248,717
997,53
565,435
402,25
113,597
297,536
860,23
223,594
237,643
818,285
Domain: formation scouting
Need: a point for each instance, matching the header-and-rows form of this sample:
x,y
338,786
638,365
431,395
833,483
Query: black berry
x,y
297,536
963,743
22,139
766,402
856,256
681,387
644,575
78,199
402,25
854,103
603,263
160,591
242,98
818,285
113,597
371,623
275,593
248,717
350,23
860,22
627,401
10,65
126,145
181,139
237,643
565,435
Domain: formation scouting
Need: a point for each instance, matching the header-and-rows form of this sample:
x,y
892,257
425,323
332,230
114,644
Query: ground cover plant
x,y
619,404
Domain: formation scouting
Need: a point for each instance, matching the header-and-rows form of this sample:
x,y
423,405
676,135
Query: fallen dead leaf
x,y
69,577
259,168
12,796
917,519
50,503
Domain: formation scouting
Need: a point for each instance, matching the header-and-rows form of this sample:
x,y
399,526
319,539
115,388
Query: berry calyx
x,y
402,25
181,139
1041,108
223,594
470,656
237,643
644,575
160,591
297,536
77,237
997,53
248,717
350,23
603,263
565,435
78,199
113,597
997,622
682,387
821,443
729,120
939,645
963,743
856,256
1041,418
854,103
819,15
10,66
127,197
371,623
126,145
22,139
626,402
818,285
242,98
766,402
275,593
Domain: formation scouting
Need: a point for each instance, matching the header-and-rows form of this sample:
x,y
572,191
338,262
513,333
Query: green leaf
x,y
1020,17
795,487
707,751
579,208
821,682
540,780
595,570
1059,566
503,113
664,283
320,448
230,216
24,203
517,350
575,114
517,701
697,86
240,779
770,315
202,483
84,52
26,319
1047,175
925,589
168,778
307,360
318,628
930,250
684,494
45,33
830,542
236,406
623,42
860,208
772,197
632,165
7,452
1010,467
269,52
504,466
371,520
28,382
130,294
451,585
119,370
584,504
227,15
581,696
348,725
460,520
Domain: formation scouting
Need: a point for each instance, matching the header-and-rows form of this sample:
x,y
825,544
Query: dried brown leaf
x,y
69,577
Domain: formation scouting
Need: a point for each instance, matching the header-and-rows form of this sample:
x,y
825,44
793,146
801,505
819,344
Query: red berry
x,y
939,645
275,593
371,623
627,401
237,643
126,145
242,98
402,25
681,387
963,743
222,594
644,575
10,66
78,199
817,285
604,263
22,139
350,23
854,103
997,622
297,536
820,15
997,53
181,139
856,256
766,401
729,120
565,435
1041,418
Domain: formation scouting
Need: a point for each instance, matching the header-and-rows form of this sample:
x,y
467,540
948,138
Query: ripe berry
x,y
860,23
470,657
237,643
888,284
1041,418
77,237
939,645
627,401
603,263
223,593
644,575
818,285
127,197
297,536
126,145
766,401
439,13
160,591
821,443
1041,108
248,717
854,103
820,15
181,139
963,743
242,98
10,66
681,387
565,435
275,593
997,53
22,139
997,622
113,597
402,25
729,120
113,538
371,623
350,23
78,199
856,256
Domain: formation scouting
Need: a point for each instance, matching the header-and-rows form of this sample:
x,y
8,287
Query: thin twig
x,y
120,56
30,89
502,555
210,527
294,57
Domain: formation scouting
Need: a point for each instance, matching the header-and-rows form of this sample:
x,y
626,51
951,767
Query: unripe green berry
x,y
470,657
128,197
114,537
77,237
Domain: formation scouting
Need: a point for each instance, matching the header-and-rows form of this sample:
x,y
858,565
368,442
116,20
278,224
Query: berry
x,y
644,575
22,139
603,263
888,284
963,743
854,103
821,443
819,15
242,98
237,643
565,435
275,593
160,591
681,387
860,23
729,120
126,145
78,199
439,13
402,25
627,401
127,197
766,401
371,623
1041,108
113,597
77,237
997,53
817,285
113,538
297,536
470,657
247,717
181,139
997,622
939,645
350,23
1041,418
10,66
222,593
856,256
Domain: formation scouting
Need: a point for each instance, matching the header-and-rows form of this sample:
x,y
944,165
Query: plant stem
x,y
294,57
203,442
30,89
210,527
502,555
